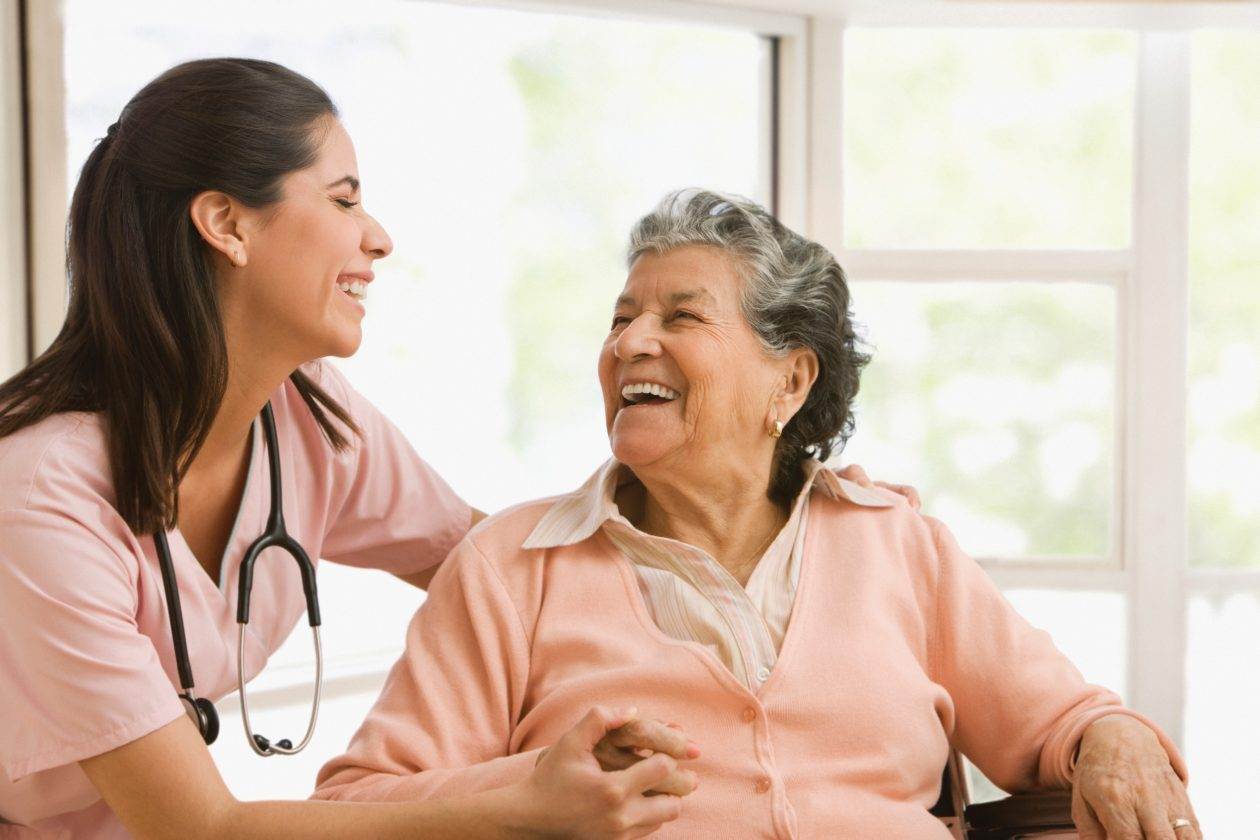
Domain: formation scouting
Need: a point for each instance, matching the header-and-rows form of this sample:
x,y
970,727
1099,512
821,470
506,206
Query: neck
x,y
253,375
727,515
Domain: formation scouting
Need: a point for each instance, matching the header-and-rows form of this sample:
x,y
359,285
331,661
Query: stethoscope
x,y
200,709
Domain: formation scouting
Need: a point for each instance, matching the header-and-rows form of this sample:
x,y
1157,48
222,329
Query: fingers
x,y
593,726
911,495
654,736
1155,823
647,774
679,783
856,474
1087,825
1119,824
1189,832
1181,808
649,814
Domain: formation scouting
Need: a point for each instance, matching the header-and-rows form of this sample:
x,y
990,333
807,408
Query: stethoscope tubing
x,y
275,535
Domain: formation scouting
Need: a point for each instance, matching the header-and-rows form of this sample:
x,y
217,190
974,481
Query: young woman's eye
x,y
347,203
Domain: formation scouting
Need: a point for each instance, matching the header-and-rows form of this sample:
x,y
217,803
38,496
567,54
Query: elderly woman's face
x,y
678,333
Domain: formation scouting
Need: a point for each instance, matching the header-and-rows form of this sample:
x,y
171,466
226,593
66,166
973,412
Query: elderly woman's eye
x,y
682,313
619,321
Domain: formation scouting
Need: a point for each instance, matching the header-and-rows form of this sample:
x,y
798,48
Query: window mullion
x,y
13,329
825,181
1154,310
1109,267
46,161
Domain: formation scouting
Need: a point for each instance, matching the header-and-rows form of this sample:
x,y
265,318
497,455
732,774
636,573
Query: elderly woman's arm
x,y
443,723
443,720
1020,706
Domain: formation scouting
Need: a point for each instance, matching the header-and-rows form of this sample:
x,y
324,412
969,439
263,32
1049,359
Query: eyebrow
x,y
349,179
674,299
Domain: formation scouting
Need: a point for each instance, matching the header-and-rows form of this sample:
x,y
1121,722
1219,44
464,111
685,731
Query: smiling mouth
x,y
356,289
647,394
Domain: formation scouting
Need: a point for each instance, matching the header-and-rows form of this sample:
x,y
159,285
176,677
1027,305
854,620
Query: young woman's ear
x,y
215,216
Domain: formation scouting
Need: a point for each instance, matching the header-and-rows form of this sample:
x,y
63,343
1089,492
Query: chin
x,y
637,449
343,344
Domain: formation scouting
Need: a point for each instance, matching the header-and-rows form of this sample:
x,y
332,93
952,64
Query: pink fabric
x,y
85,645
899,645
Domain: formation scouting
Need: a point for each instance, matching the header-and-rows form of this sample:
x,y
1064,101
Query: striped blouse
x,y
689,595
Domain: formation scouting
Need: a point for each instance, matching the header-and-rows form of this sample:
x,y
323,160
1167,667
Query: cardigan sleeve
x,y
443,722
1020,706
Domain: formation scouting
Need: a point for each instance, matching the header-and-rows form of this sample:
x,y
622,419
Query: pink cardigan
x,y
899,646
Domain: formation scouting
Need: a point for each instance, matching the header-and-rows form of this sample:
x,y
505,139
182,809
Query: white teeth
x,y
653,388
356,290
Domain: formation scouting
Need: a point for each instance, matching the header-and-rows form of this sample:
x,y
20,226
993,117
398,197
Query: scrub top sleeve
x,y
396,513
77,677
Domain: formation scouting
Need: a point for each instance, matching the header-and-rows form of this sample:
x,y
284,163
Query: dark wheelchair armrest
x,y
1020,815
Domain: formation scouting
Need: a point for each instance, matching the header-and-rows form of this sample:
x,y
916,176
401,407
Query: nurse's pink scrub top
x,y
86,659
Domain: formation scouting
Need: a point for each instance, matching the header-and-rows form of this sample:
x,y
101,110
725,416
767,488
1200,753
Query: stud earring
x,y
777,432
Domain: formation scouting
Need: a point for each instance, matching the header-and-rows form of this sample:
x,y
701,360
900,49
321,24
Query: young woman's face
x,y
302,254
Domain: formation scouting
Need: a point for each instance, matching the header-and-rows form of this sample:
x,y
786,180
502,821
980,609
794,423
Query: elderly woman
x,y
823,643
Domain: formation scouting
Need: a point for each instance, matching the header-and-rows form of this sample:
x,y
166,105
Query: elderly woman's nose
x,y
637,339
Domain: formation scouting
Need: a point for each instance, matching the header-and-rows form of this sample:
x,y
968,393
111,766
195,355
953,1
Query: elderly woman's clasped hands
x,y
634,763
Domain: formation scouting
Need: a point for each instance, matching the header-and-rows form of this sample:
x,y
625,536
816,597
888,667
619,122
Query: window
x,y
1223,424
508,153
988,138
1007,430
1224,345
1047,213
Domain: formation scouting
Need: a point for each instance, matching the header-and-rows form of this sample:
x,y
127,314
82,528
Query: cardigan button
x,y
750,714
763,785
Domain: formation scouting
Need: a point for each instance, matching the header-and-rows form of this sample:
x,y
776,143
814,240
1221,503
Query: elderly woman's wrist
x,y
1109,733
1116,722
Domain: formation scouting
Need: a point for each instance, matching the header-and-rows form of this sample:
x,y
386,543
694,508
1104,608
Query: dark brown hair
x,y
143,341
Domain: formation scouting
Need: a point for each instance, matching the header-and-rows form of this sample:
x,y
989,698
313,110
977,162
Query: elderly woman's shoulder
x,y
886,511
495,550
504,534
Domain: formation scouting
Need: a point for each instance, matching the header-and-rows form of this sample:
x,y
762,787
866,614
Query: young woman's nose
x,y
638,339
376,242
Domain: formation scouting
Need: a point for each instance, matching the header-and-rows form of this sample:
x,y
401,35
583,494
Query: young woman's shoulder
x,y
60,462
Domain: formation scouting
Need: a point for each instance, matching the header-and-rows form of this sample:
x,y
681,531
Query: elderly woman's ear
x,y
793,388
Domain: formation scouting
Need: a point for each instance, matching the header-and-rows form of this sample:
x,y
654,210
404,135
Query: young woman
x,y
218,246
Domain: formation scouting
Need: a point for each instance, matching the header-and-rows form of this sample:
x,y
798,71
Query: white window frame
x,y
13,291
1149,563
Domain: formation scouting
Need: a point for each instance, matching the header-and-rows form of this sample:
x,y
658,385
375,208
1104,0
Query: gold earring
x,y
777,432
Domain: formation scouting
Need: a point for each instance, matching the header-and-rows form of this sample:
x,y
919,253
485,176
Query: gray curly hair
x,y
794,295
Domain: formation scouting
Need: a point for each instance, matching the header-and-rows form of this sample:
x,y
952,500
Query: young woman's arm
x,y
421,580
166,785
